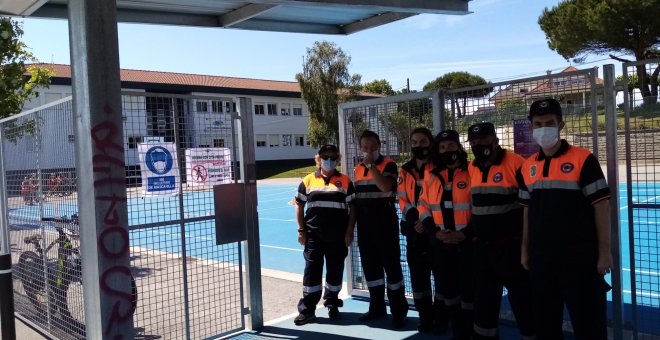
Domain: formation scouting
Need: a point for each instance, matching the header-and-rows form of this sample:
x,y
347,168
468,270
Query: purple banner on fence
x,y
523,142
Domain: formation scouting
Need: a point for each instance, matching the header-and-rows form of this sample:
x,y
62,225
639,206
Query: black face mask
x,y
449,157
482,152
420,152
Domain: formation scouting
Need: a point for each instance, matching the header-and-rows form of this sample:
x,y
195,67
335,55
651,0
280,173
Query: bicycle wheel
x,y
31,275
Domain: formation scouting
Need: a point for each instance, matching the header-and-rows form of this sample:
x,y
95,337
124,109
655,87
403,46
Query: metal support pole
x,y
249,176
438,106
99,146
8,327
609,98
594,111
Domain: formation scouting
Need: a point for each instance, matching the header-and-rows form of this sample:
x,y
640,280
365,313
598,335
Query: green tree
x,y
19,75
380,86
325,83
458,80
577,28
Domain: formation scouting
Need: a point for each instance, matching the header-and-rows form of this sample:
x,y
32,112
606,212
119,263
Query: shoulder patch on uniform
x,y
399,180
498,177
532,171
461,185
567,167
338,184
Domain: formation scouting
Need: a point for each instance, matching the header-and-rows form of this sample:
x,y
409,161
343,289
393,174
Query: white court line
x,y
287,198
282,248
645,272
655,295
277,219
644,201
212,239
288,206
292,193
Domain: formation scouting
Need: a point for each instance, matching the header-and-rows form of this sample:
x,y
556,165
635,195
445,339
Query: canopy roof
x,y
302,16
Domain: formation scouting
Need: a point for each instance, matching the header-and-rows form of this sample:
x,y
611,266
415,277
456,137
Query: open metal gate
x,y
187,284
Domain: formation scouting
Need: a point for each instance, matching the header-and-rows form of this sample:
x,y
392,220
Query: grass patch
x,y
643,121
294,168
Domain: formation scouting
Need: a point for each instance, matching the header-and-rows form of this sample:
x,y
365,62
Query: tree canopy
x,y
457,80
577,28
325,82
19,74
380,86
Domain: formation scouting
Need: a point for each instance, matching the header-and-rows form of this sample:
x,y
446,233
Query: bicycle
x,y
63,276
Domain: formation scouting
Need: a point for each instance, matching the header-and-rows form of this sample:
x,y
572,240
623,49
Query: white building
x,y
280,114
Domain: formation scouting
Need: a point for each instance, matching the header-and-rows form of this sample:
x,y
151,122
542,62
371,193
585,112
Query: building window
x,y
259,109
228,106
300,140
372,113
133,141
286,140
297,110
72,138
216,106
273,140
218,143
272,109
261,141
30,143
202,106
285,109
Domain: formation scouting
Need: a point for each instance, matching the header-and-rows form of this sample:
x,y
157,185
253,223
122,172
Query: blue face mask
x,y
328,164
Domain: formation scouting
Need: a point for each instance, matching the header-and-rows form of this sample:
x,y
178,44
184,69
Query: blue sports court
x,y
280,249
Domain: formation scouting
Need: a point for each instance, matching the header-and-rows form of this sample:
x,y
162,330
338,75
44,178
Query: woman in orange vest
x,y
432,314
445,214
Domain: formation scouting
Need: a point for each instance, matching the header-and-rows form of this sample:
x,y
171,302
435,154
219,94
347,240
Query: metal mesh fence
x,y
642,190
392,120
504,104
41,184
185,284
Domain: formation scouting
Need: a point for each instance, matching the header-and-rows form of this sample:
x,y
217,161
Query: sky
x,y
500,40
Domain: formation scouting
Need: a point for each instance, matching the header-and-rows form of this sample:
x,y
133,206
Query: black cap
x,y
328,148
481,130
544,107
448,135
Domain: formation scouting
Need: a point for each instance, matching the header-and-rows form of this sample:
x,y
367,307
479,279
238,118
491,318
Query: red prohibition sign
x,y
199,173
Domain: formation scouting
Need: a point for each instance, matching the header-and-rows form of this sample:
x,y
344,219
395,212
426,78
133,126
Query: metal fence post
x,y
609,98
7,324
99,146
249,176
438,109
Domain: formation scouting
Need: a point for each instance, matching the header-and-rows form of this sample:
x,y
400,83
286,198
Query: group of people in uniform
x,y
538,227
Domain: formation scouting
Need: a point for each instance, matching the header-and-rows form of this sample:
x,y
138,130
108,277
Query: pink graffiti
x,y
113,240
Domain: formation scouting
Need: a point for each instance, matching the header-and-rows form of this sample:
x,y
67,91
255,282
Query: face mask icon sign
x,y
159,160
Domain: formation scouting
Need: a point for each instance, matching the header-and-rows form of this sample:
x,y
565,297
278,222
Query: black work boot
x,y
424,308
440,317
376,304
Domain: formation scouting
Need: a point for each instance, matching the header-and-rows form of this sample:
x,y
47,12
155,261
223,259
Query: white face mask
x,y
374,154
546,137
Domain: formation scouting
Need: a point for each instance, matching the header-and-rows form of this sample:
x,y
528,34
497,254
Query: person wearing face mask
x,y
418,251
497,226
378,231
445,214
567,253
324,213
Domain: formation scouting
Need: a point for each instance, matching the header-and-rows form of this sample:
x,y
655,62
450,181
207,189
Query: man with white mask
x,y
566,230
325,216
